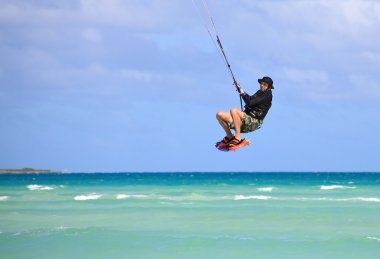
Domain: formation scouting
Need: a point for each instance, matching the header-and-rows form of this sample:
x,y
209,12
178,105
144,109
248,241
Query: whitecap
x,y
244,238
122,196
60,228
314,199
265,189
4,198
36,187
182,198
332,187
193,197
374,238
369,199
87,197
254,197
366,199
126,196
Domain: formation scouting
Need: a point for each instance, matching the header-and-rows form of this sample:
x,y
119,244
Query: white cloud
x,y
365,86
313,84
317,46
141,75
306,76
322,23
309,43
317,85
141,15
24,12
92,35
109,80
371,56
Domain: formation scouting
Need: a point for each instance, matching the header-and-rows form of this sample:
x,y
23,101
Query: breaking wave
x,y
198,197
366,199
254,197
126,196
332,187
192,197
92,196
263,197
374,238
36,187
265,189
4,198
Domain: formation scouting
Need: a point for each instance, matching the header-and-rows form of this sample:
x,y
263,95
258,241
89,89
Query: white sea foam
x,y
332,187
36,187
92,196
369,199
245,238
366,199
4,198
374,238
193,197
313,199
126,196
254,197
60,228
122,196
265,189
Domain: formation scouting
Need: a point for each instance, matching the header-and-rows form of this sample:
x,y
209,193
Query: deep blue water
x,y
190,178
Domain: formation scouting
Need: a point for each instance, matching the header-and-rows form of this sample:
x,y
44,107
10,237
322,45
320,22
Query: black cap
x,y
267,80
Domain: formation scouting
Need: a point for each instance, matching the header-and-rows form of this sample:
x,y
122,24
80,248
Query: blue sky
x,y
96,85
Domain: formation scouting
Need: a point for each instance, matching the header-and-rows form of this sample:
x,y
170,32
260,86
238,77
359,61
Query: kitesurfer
x,y
255,109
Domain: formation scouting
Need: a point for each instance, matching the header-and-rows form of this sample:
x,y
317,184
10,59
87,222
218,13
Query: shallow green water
x,y
190,215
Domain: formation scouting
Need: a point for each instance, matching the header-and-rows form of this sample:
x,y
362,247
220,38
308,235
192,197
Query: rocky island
x,y
27,171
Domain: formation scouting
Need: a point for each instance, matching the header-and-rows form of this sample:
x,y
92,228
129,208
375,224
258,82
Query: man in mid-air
x,y
255,109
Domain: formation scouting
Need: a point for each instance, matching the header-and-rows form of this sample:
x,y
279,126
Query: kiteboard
x,y
233,148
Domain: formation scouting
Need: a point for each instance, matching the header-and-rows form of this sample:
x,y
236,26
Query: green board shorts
x,y
249,124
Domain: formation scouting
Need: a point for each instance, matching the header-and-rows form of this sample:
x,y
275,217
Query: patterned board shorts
x,y
249,124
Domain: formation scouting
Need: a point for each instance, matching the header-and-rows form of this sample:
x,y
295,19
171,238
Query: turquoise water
x,y
190,215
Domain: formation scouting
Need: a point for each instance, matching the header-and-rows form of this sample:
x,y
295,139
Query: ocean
x,y
190,215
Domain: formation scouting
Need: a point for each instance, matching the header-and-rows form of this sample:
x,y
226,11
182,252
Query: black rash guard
x,y
258,104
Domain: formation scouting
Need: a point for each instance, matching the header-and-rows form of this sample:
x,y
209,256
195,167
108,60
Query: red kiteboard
x,y
243,143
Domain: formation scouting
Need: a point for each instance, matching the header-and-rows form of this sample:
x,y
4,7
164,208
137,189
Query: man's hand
x,y
239,89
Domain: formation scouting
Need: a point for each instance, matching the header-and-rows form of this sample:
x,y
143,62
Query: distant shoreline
x,y
46,171
27,171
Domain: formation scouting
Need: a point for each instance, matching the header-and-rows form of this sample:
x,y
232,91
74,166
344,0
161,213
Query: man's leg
x,y
237,118
224,118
